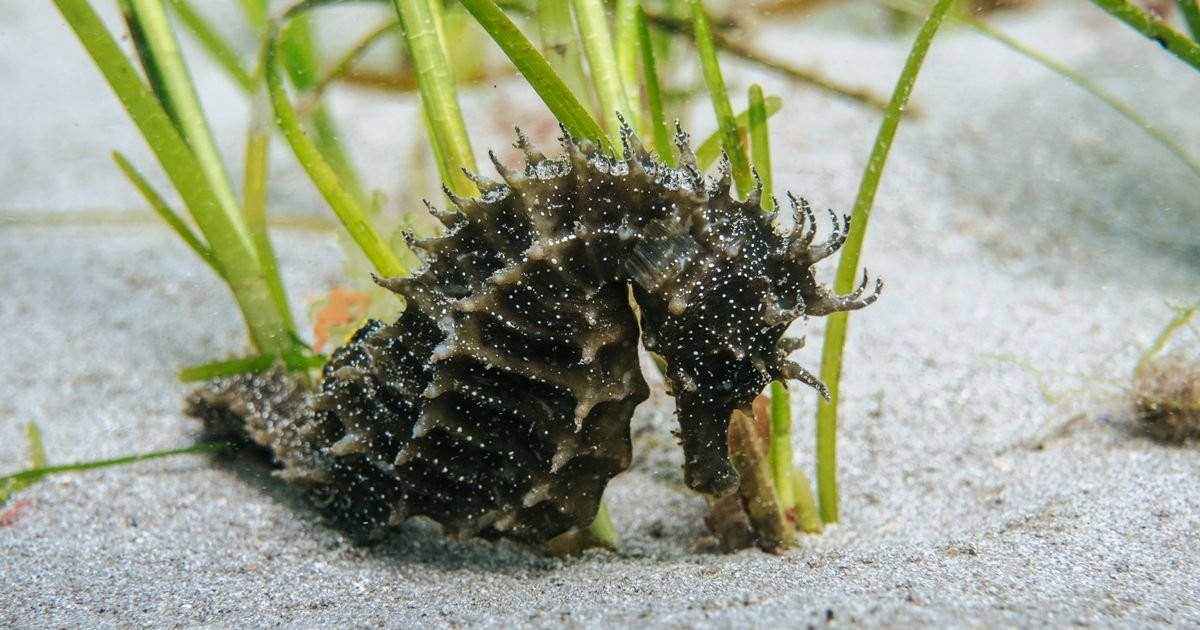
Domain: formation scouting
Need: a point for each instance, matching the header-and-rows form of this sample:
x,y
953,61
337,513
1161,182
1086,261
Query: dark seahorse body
x,y
499,403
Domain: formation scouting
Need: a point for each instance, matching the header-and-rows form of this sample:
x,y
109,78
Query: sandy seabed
x,y
1030,239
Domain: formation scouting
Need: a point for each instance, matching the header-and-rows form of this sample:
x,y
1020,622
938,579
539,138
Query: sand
x,y
1030,240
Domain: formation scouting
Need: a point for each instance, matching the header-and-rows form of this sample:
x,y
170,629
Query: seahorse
x,y
499,402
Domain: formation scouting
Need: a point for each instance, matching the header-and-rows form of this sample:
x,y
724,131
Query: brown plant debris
x,y
1168,397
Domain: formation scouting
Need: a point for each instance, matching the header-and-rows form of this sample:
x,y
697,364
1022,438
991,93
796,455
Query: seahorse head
x,y
718,286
